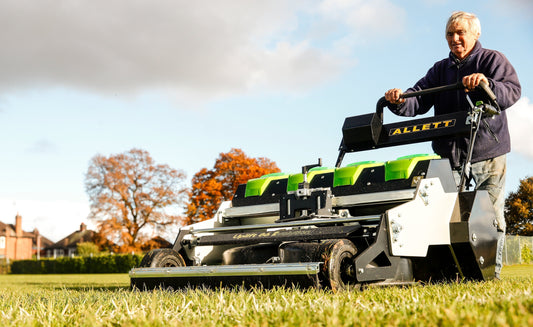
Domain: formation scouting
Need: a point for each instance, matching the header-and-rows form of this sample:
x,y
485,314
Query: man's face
x,y
460,39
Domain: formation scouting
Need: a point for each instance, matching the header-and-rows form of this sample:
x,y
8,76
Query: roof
x,y
73,239
3,228
156,243
45,242
9,229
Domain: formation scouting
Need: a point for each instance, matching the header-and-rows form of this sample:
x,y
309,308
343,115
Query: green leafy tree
x,y
519,209
86,249
526,254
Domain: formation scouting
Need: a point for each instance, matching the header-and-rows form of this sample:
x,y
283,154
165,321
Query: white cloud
x,y
127,46
198,47
366,18
520,118
515,8
294,66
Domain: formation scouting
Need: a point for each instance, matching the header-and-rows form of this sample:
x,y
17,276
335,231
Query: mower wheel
x,y
340,265
162,258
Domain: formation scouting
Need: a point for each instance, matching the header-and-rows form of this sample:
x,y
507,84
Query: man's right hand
x,y
393,96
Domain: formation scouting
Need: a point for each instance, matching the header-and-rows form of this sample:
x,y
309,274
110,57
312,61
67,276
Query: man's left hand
x,y
472,81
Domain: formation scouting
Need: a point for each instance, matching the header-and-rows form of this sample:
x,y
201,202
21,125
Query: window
x,y
2,242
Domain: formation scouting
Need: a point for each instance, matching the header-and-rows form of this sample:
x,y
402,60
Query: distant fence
x,y
517,250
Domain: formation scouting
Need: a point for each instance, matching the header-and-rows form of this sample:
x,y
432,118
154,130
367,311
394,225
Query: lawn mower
x,y
366,223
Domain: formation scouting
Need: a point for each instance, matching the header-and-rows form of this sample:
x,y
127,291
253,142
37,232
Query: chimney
x,y
83,227
38,243
18,225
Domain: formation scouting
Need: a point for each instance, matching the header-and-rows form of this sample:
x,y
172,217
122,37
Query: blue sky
x,y
186,80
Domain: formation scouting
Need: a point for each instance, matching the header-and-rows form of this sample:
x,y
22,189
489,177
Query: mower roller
x,y
365,223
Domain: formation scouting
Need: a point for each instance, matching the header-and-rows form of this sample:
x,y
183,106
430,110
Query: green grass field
x,y
96,300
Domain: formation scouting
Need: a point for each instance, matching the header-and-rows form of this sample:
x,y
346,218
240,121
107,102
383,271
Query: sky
x,y
187,80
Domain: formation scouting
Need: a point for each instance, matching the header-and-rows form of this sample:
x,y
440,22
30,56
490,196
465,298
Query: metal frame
x,y
307,268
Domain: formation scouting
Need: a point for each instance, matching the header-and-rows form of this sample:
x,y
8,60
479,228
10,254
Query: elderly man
x,y
470,63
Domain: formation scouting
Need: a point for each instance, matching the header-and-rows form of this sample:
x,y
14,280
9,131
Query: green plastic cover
x,y
256,186
402,167
295,179
348,175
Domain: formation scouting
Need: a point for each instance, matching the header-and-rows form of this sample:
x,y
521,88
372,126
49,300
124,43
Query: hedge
x,y
4,267
116,263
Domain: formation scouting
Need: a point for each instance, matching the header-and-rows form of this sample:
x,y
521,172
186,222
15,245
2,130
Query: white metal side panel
x,y
200,253
424,221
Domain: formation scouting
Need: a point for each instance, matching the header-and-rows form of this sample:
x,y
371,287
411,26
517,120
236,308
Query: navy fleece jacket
x,y
493,137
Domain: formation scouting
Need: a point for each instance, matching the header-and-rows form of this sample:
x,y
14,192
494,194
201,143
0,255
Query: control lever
x,y
305,169
485,87
304,187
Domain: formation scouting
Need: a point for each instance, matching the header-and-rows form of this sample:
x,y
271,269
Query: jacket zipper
x,y
490,131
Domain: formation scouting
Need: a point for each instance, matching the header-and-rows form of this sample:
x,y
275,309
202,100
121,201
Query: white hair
x,y
461,16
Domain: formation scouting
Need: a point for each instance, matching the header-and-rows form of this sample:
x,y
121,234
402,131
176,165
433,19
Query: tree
x,y
87,249
519,209
155,243
129,193
211,187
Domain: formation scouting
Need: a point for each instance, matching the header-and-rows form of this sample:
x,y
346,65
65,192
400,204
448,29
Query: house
x,y
16,244
68,246
39,244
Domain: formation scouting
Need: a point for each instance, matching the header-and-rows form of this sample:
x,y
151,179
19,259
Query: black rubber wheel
x,y
162,258
339,265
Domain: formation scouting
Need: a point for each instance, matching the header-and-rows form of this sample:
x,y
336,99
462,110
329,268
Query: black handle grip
x,y
485,87
437,89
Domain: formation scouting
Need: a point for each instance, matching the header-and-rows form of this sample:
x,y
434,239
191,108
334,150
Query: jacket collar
x,y
454,61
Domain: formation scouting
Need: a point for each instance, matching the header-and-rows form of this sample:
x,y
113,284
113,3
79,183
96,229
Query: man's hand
x,y
393,96
472,81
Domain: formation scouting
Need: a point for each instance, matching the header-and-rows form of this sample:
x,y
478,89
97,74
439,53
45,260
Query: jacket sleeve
x,y
503,80
421,104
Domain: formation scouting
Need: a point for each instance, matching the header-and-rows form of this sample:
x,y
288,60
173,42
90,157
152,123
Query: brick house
x,y
68,246
39,244
16,244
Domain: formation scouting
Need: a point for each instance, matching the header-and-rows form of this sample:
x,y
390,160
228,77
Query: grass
x,y
103,300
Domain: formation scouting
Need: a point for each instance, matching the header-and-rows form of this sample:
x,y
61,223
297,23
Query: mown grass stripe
x,y
103,300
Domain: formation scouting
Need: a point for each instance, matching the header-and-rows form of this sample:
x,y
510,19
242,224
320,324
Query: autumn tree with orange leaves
x,y
519,209
211,187
129,193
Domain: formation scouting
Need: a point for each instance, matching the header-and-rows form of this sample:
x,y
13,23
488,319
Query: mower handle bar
x,y
382,102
